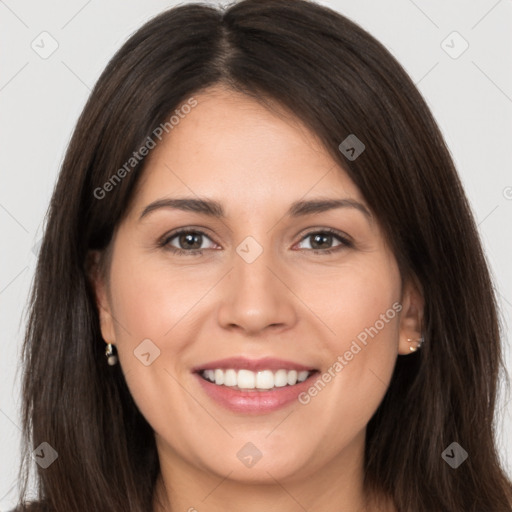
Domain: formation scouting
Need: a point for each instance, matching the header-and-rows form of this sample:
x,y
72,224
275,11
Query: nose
x,y
257,296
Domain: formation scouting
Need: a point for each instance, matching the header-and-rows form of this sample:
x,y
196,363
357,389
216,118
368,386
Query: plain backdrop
x,y
469,91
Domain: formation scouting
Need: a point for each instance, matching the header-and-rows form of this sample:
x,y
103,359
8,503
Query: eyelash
x,y
164,243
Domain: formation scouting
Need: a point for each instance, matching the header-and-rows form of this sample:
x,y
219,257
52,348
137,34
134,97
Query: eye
x,y
321,241
189,241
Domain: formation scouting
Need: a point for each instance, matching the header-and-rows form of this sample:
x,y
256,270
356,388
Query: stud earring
x,y
419,343
109,353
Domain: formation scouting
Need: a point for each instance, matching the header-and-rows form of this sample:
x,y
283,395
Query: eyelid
x,y
332,231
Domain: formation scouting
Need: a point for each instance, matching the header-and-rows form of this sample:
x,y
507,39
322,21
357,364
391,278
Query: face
x,y
267,294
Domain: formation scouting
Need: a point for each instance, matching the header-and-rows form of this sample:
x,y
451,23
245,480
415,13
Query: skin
x,y
289,303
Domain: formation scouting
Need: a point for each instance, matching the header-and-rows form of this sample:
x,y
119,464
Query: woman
x,y
261,285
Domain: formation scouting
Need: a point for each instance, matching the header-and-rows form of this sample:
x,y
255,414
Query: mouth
x,y
254,386
247,380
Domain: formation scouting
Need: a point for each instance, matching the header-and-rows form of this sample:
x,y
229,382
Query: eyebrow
x,y
215,209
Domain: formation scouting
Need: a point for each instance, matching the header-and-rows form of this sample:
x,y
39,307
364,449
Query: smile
x,y
243,380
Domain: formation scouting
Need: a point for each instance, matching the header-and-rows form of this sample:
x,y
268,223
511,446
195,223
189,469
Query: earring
x,y
109,353
420,342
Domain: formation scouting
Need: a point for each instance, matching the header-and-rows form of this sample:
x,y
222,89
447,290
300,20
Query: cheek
x,y
367,324
363,310
150,308
355,298
155,313
150,300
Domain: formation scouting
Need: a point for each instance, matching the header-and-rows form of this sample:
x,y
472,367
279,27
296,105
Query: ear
x,y
100,287
411,318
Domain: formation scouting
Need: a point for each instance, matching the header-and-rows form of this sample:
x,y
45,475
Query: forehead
x,y
232,148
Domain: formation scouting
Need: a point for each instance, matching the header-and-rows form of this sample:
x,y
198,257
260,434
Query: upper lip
x,y
243,363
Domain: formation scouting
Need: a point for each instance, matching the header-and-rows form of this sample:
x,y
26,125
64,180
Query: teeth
x,y
292,378
246,379
302,376
229,378
265,379
280,378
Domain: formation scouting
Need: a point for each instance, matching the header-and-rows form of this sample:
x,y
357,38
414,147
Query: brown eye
x,y
190,241
185,242
322,241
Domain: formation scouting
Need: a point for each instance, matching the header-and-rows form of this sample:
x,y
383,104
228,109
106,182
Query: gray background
x,y
469,94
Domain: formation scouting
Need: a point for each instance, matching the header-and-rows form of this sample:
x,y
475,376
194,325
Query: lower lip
x,y
255,402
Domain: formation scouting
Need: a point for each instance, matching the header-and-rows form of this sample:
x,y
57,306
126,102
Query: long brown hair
x,y
338,80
